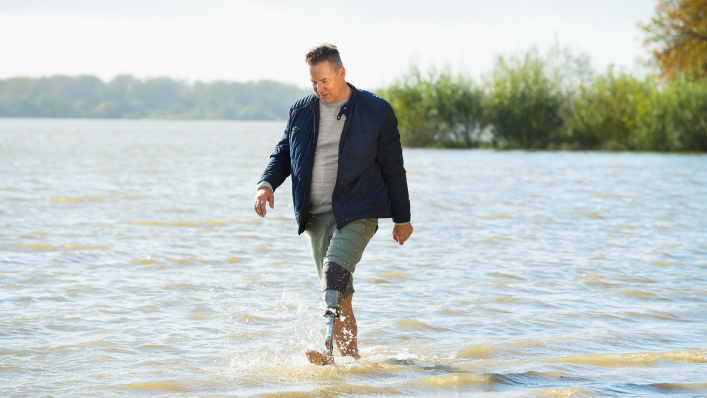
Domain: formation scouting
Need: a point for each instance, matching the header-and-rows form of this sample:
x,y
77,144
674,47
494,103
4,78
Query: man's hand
x,y
263,195
401,233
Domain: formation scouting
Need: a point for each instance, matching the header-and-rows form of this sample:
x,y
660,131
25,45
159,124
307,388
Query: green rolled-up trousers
x,y
344,247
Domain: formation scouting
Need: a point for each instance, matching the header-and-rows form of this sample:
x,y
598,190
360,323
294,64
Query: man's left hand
x,y
401,233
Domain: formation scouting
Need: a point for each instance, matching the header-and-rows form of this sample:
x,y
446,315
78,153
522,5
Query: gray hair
x,y
324,52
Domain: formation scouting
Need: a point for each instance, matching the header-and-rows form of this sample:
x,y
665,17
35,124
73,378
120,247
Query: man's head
x,y
328,73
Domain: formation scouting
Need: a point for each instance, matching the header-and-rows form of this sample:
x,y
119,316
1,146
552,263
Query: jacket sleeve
x,y
390,159
279,167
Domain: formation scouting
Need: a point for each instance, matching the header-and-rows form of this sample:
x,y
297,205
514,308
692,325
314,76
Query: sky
x,y
242,41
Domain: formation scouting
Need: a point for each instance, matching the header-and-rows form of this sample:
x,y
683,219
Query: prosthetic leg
x,y
333,303
336,279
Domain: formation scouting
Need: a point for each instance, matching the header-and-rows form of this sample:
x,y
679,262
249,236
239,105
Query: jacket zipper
x,y
341,147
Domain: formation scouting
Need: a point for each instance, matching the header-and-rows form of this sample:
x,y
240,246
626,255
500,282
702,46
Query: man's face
x,y
329,85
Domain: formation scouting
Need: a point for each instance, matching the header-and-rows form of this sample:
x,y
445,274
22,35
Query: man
x,y
342,149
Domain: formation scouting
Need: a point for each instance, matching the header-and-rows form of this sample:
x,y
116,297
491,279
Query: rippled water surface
x,y
132,263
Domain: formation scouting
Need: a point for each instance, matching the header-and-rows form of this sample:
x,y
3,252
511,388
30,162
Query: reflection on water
x,y
131,262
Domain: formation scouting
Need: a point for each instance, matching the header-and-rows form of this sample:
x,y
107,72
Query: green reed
x,y
438,110
555,101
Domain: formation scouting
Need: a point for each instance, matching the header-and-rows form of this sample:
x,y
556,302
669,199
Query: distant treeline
x,y
554,101
126,96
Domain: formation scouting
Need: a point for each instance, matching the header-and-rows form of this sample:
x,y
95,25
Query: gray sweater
x,y
326,157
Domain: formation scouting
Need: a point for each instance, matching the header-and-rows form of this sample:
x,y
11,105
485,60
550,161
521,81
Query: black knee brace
x,y
335,277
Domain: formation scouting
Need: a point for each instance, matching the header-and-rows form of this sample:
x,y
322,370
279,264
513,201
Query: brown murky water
x,y
132,264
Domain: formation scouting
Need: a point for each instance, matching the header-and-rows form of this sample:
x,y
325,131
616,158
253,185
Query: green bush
x,y
618,111
607,112
442,110
523,104
556,101
687,114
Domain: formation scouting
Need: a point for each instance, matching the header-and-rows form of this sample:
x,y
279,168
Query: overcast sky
x,y
251,40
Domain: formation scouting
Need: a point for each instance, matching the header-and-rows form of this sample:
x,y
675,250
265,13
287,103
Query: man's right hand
x,y
263,195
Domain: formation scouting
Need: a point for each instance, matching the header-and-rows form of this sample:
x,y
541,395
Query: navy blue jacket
x,y
371,178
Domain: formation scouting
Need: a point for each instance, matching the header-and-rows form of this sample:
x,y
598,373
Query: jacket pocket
x,y
299,142
300,130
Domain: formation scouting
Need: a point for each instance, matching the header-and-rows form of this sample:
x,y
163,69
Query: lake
x,y
133,264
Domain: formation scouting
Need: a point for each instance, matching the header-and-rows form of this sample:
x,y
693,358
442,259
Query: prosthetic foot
x,y
336,279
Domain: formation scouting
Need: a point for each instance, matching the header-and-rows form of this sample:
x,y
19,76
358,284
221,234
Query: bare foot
x,y
320,358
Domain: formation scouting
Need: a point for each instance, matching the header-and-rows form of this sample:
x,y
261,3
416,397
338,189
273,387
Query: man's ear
x,y
342,72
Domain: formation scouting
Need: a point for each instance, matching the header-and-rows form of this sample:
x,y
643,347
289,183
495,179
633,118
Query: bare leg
x,y
346,331
345,337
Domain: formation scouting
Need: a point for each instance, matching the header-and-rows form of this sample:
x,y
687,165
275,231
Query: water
x,y
132,263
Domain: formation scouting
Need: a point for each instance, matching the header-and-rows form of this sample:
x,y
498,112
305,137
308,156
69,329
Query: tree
x,y
678,36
